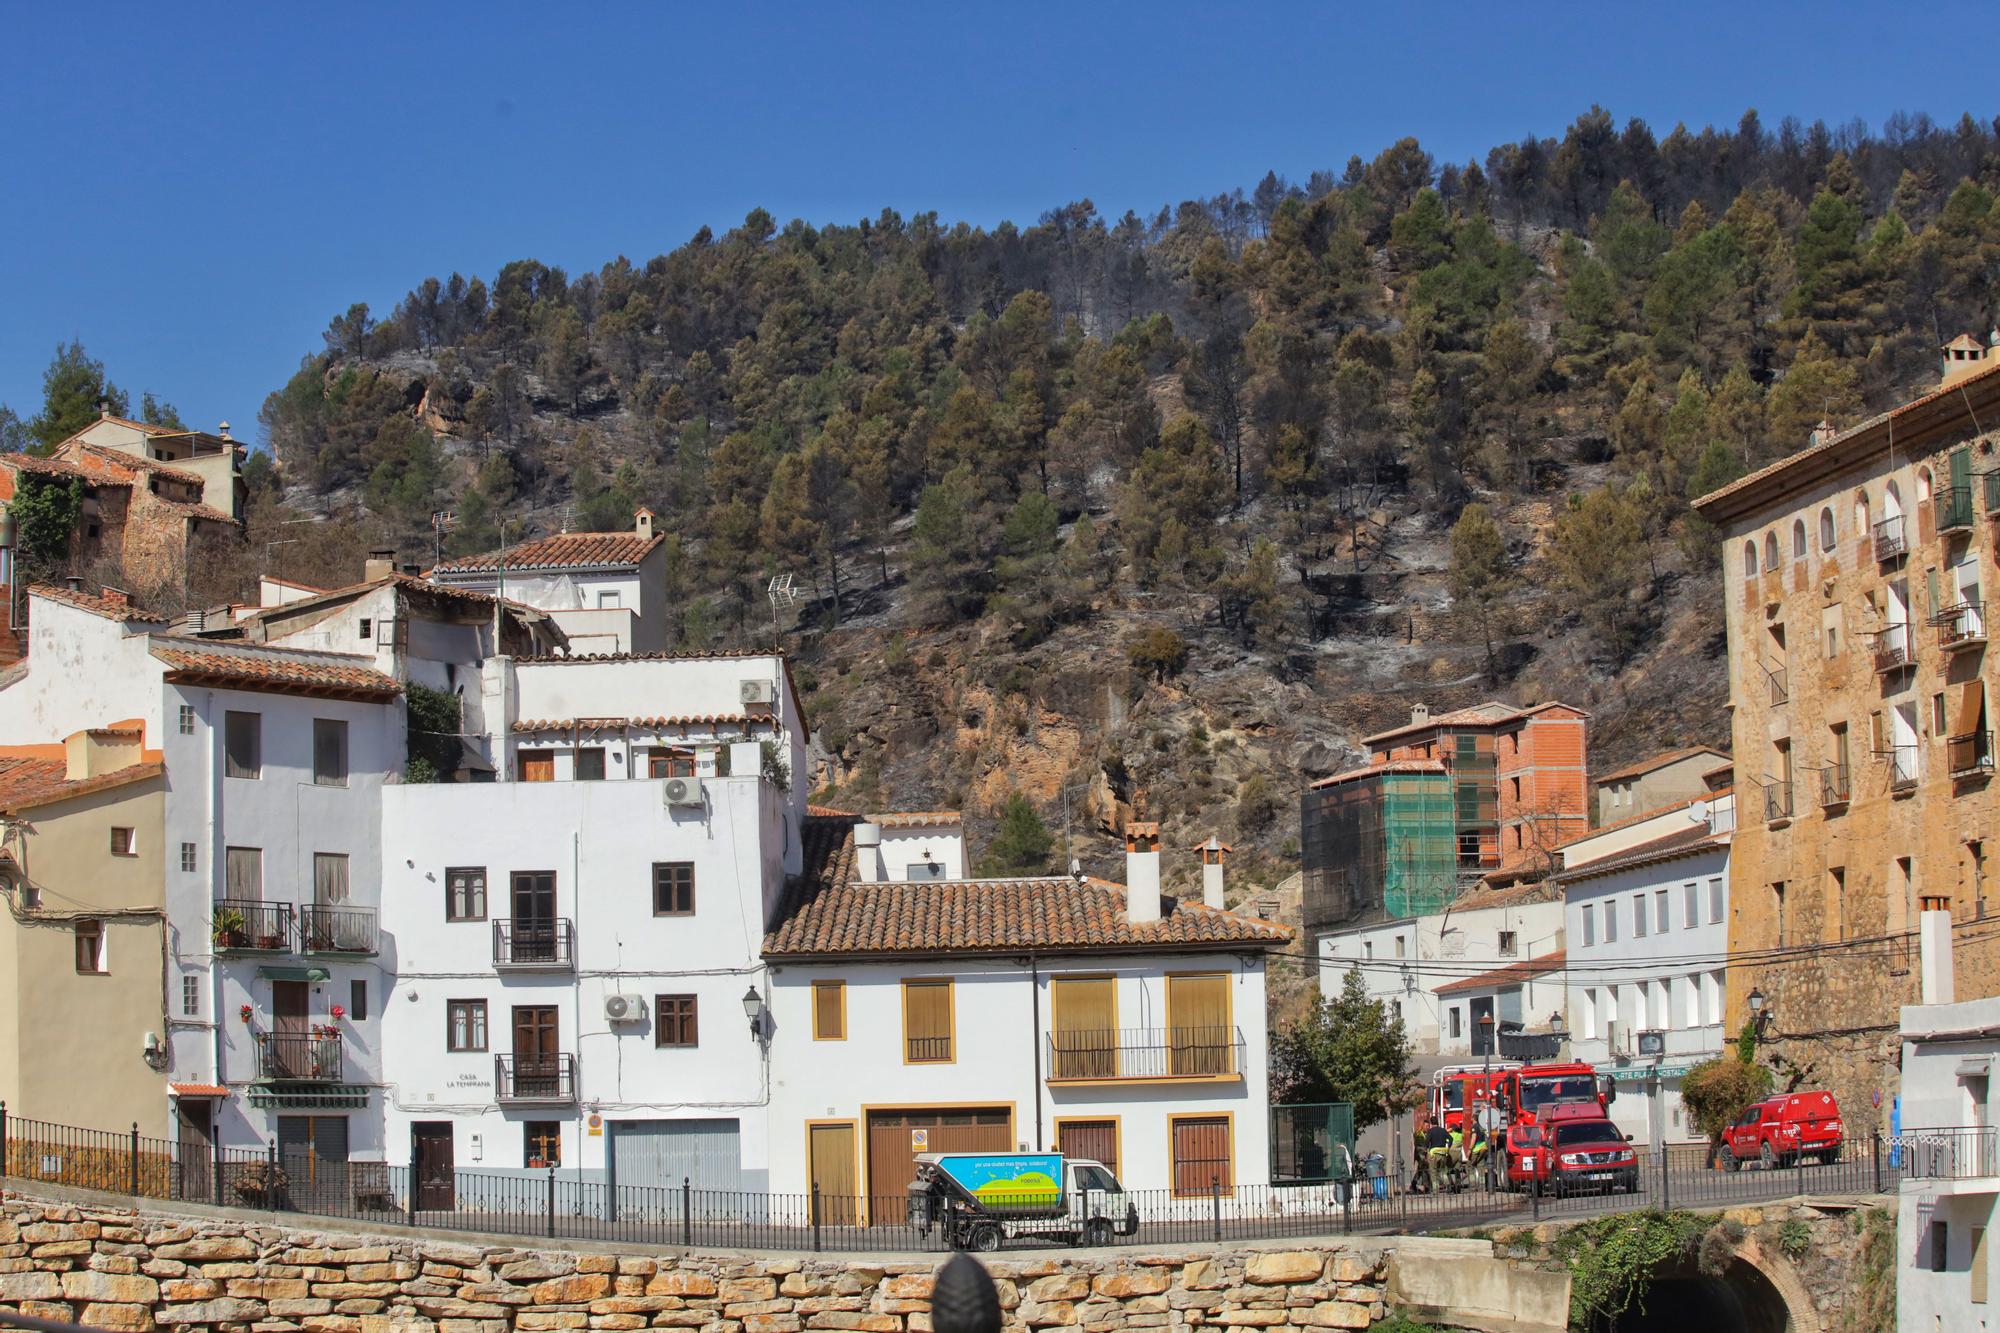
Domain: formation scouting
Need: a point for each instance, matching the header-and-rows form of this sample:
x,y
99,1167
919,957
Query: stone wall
x,y
139,1270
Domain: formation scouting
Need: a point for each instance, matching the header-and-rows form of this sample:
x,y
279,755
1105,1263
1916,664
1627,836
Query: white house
x,y
1648,941
1030,1014
1948,1147
606,589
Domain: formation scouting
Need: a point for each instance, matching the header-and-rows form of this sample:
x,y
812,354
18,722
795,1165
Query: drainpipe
x,y
1035,999
576,979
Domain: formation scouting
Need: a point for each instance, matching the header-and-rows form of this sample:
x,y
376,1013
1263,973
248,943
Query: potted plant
x,y
246,1011
228,928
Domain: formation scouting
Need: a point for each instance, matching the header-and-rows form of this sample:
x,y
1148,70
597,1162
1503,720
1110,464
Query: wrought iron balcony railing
x,y
1142,1053
1890,541
340,929
1960,1152
535,1078
1778,800
298,1057
1970,754
1902,761
1834,786
541,944
1952,506
1892,649
1961,625
246,925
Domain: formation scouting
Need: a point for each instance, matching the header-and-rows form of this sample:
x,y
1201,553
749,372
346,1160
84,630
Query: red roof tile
x,y
1492,713
827,912
639,723
1652,762
112,606
564,550
87,454
915,818
27,781
197,1090
1511,975
232,664
1374,770
57,467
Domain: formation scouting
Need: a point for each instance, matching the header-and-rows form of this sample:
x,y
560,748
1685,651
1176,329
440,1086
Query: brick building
x,y
1857,670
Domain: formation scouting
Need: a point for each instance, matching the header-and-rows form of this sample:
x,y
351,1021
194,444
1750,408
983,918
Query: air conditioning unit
x,y
681,791
759,692
625,1008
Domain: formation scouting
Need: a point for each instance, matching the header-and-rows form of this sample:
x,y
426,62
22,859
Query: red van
x,y
1570,1148
1780,1130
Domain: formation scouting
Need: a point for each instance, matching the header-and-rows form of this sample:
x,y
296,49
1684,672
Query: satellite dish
x,y
1698,812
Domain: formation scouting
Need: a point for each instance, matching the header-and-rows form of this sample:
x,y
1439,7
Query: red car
x,y
1780,1130
1571,1148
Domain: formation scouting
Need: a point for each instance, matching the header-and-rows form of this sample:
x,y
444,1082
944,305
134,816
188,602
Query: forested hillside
x,y
1170,509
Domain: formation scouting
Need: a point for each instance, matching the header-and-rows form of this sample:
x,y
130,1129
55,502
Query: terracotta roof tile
x,y
1652,762
56,467
639,723
197,1090
564,550
233,664
827,912
31,780
1374,770
1511,975
1492,713
118,458
828,812
915,818
1687,842
112,606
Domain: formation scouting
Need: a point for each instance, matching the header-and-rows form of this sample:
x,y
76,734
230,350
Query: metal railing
x,y
1959,1152
1778,800
1902,761
927,1050
246,925
1952,506
1130,1053
1892,648
1962,625
342,929
540,943
1969,754
1890,541
1376,1196
1993,494
1834,786
535,1078
1780,689
298,1057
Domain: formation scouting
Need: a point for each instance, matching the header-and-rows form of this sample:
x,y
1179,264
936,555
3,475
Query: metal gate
x,y
649,1156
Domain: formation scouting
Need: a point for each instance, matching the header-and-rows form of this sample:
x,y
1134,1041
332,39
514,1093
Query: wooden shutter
x,y
927,1022
1085,1020
1201,1154
1096,1140
244,874
1200,1039
831,1149
537,765
830,1011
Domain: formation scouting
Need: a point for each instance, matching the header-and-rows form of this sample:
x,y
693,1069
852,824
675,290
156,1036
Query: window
x,y
608,598
1770,550
329,879
357,999
190,997
1861,513
1083,1022
367,628
590,763
1508,944
1690,905
465,1025
1399,946
535,765
89,946
187,719
1715,901
1368,948
1691,999
1589,923
541,1143
1798,539
1836,901
188,857
1202,1155
1201,1035
1938,727
465,893
1778,908
1923,484
124,843
329,752
927,1022
1827,537
243,745
244,875
1589,1013
1711,994
1611,921
1453,1021
1638,916
674,1020
1750,560
1935,1251
1975,854
673,888
829,1010
1514,789
1660,912
664,761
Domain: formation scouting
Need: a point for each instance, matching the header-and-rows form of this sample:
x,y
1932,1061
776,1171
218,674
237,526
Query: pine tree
x,y
1481,572
73,387
1021,841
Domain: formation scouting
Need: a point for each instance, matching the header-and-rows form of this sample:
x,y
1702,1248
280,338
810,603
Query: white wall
x,y
1935,1096
997,1040
82,670
936,850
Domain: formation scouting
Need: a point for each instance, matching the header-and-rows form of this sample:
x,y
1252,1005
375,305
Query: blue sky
x,y
194,191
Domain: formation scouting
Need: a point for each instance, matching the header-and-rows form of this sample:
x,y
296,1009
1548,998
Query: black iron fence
x,y
1366,1196
534,943
1174,1052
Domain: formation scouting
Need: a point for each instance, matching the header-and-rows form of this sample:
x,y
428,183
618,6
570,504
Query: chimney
x,y
1142,872
75,583
1420,714
413,569
103,408
223,430
1212,854
1934,951
868,852
381,564
1820,433
642,524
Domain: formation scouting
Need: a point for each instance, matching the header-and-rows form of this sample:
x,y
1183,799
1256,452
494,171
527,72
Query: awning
x,y
196,1091
343,1097
1974,1067
274,972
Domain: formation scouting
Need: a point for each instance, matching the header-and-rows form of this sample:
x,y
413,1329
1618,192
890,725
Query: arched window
x,y
1923,485
1750,560
1798,539
1861,513
1892,502
1770,550
1827,536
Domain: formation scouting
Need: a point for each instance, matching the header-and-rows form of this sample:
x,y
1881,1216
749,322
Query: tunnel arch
x,y
1753,1292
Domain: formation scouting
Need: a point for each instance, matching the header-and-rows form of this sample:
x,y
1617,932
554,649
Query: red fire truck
x,y
1529,1093
1455,1088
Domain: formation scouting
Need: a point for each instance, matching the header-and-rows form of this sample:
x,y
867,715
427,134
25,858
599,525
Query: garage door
x,y
896,1137
708,1154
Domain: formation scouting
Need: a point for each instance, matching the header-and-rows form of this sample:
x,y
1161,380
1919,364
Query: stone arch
x,y
1754,1290
1774,1269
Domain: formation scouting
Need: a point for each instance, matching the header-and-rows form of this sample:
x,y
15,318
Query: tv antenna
x,y
783,596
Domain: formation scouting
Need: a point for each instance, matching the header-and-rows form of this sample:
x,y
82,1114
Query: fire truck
x,y
1455,1088
1529,1095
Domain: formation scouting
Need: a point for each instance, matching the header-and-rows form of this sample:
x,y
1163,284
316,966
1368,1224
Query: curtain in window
x,y
329,879
1084,1019
1200,1040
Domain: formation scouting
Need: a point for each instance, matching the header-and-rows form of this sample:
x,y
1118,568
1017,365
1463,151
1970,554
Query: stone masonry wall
x,y
134,1271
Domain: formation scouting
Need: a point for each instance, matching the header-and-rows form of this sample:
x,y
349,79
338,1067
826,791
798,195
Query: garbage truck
x,y
978,1200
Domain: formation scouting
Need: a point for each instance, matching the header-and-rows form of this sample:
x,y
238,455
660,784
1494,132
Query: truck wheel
x,y
1830,1156
1097,1233
1767,1155
984,1238
1728,1159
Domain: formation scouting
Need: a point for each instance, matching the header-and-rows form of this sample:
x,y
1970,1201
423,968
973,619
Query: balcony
x,y
534,944
927,1050
1890,541
1952,507
348,930
299,1057
1120,1054
549,1080
1970,755
1961,626
1966,1152
1892,649
244,925
1993,494
1834,786
1780,686
1777,800
1902,767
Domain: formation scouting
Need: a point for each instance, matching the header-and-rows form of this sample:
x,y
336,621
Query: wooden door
x,y
896,1137
534,916
830,1151
431,1155
536,765
1093,1139
197,1149
1200,1039
291,1030
537,1072
1083,1017
1201,1154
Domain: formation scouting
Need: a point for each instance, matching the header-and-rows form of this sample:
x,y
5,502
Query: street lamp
x,y
1760,1014
753,1009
